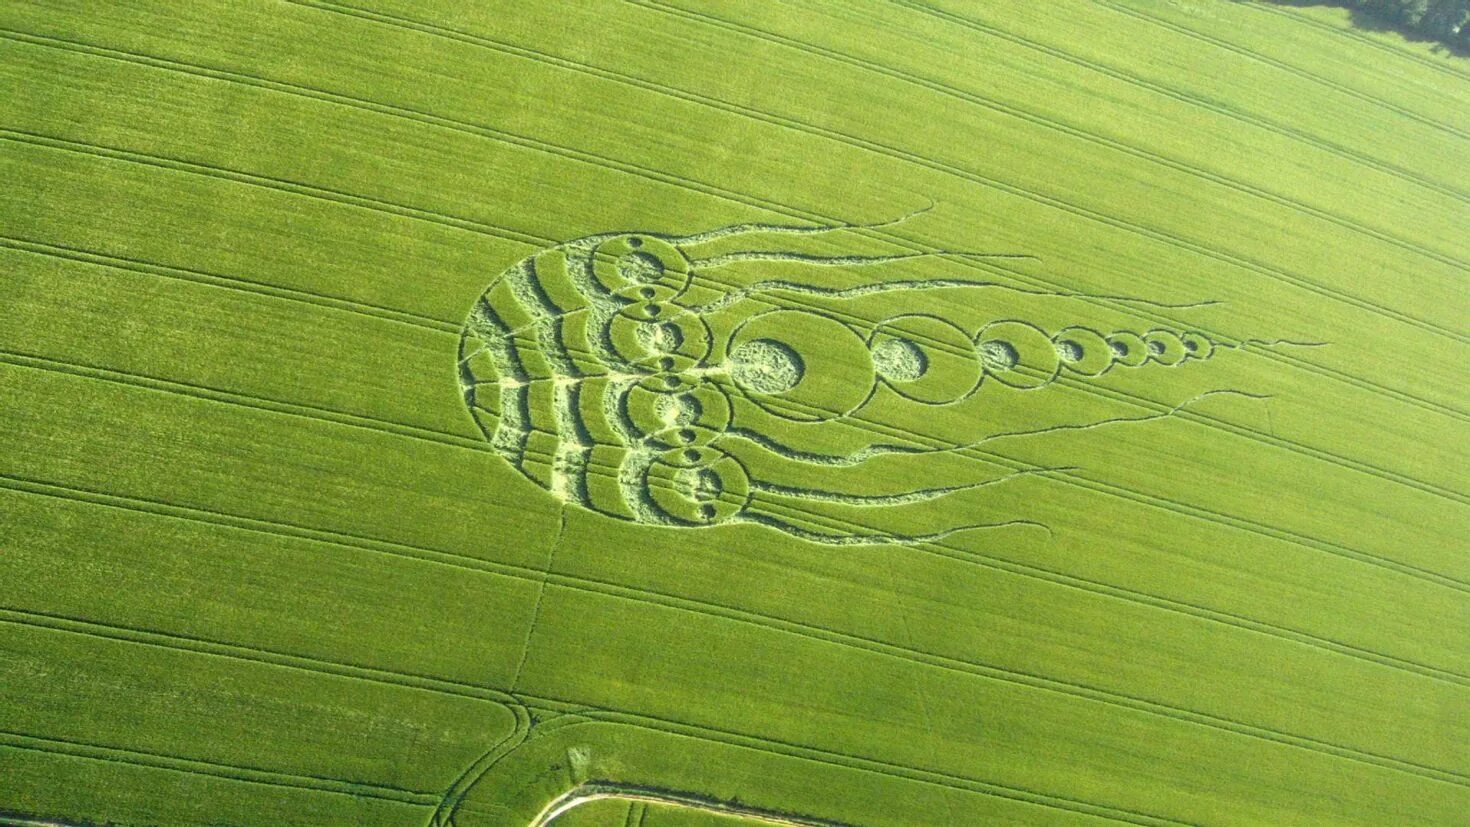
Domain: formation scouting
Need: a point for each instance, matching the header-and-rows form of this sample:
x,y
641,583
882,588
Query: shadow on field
x,y
1379,17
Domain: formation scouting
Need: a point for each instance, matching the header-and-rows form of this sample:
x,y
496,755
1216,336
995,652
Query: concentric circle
x,y
641,268
659,336
703,411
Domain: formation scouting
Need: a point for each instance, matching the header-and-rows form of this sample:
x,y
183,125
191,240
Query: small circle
x,y
999,355
766,366
664,383
1018,354
1197,345
1165,347
670,337
899,360
1129,349
697,485
1084,351
706,512
690,416
643,334
679,410
635,241
691,455
666,363
648,292
673,410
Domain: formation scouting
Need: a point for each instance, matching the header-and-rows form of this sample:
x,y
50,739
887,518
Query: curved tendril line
x,y
1245,343
911,284
741,229
813,458
808,229
1149,302
1123,420
905,498
820,495
838,261
881,538
840,293
860,456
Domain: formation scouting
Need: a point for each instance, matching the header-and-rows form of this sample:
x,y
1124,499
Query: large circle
x,y
926,359
800,365
766,366
1018,354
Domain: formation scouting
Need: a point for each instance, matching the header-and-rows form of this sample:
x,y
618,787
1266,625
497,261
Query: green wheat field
x,y
706,414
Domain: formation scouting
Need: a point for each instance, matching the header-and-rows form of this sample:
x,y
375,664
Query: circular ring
x,y
685,436
674,381
1165,347
800,365
641,267
1198,345
659,336
706,492
703,410
1129,349
926,359
1083,351
695,456
1018,354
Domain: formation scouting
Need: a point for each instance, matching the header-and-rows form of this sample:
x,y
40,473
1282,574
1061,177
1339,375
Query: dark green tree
x,y
1445,21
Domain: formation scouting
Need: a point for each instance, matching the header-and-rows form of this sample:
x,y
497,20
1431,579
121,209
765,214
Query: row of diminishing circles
x,y
932,361
1079,350
669,343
